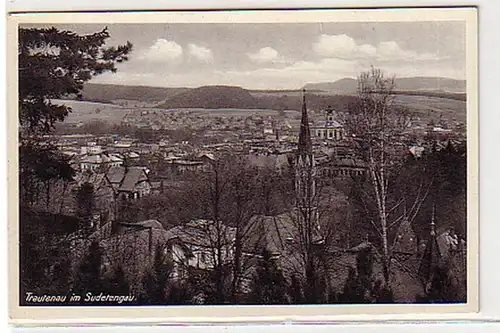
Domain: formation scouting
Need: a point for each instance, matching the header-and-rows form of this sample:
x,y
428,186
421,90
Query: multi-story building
x,y
329,128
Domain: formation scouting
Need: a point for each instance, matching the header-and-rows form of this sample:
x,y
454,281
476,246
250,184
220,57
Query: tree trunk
x,y
235,288
47,196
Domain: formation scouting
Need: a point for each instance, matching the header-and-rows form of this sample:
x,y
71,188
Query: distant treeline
x,y
438,94
216,97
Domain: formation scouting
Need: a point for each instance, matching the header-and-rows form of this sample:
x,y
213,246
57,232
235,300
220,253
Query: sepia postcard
x,y
252,165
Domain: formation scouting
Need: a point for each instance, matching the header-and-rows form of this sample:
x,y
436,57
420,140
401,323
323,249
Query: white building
x,y
94,158
329,128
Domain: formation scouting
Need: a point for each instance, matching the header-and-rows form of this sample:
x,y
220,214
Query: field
x,y
84,112
435,107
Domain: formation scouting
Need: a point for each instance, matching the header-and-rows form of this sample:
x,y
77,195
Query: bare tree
x,y
241,205
228,196
376,126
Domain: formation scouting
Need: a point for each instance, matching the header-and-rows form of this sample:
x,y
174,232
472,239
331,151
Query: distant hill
x,y
227,97
110,92
342,86
432,84
212,97
236,97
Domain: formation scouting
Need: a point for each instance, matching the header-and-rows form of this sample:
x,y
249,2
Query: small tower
x,y
329,115
431,258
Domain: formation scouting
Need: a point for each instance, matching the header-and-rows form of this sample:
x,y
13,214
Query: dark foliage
x,y
85,200
44,253
39,163
117,283
295,291
89,274
159,285
359,280
360,286
54,64
442,288
269,285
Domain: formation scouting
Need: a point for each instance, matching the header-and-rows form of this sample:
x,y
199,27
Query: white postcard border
x,y
235,314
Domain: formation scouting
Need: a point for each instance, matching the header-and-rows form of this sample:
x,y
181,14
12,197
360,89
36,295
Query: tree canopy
x,y
55,63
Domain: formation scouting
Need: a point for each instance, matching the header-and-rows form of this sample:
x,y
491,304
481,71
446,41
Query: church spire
x,y
433,222
431,258
305,144
305,180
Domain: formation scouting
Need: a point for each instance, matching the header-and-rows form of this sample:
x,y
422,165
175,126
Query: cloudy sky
x,y
281,56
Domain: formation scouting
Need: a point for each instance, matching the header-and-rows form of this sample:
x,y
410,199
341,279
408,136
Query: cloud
x,y
392,51
200,53
265,55
345,47
163,51
291,76
335,46
345,59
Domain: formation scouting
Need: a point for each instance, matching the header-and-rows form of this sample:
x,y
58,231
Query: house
x,y
177,165
194,244
129,183
281,236
132,246
94,158
99,161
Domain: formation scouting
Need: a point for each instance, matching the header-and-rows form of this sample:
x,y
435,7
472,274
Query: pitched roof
x,y
126,178
155,224
276,233
93,178
133,176
262,160
202,233
115,174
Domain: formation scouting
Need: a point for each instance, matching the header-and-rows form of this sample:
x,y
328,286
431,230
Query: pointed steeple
x,y
431,258
305,181
433,221
305,144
